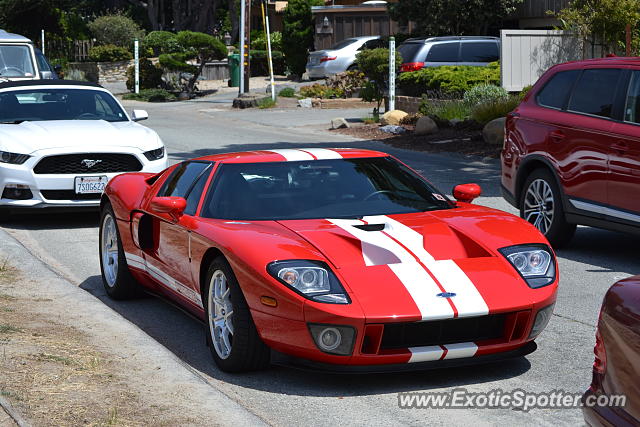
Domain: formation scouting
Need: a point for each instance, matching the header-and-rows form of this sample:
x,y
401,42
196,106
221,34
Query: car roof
x,y
608,61
266,156
448,38
12,38
29,83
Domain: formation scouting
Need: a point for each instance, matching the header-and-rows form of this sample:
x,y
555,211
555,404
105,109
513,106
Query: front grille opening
x,y
88,163
68,195
449,331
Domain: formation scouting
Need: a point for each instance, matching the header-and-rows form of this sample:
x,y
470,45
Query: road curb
x,y
155,371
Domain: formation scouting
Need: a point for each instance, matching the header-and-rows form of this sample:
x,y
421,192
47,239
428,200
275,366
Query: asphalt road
x,y
595,259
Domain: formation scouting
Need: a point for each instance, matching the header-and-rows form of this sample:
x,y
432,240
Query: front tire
x,y
541,205
116,277
232,336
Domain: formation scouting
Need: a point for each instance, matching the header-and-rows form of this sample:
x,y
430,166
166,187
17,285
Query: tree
x,y
453,17
118,30
297,34
604,21
374,64
199,46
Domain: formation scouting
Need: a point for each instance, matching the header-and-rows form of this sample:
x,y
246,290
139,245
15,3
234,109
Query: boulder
x,y
393,117
339,123
426,126
393,129
493,132
305,103
247,101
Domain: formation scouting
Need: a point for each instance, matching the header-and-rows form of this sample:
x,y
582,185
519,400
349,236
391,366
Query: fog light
x,y
542,320
17,192
333,339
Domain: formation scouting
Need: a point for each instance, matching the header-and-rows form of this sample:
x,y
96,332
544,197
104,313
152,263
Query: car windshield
x,y
348,188
16,61
59,104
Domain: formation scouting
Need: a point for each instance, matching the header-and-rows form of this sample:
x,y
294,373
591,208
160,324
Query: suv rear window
x,y
443,52
408,51
479,52
554,94
595,92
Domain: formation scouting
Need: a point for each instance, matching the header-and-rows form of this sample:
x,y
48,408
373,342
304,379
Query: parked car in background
x,y
616,369
20,60
340,57
572,149
420,53
61,142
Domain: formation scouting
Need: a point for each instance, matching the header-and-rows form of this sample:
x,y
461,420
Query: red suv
x,y
572,149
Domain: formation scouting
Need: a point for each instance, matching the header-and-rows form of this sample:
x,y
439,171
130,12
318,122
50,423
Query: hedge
x,y
450,80
109,53
260,63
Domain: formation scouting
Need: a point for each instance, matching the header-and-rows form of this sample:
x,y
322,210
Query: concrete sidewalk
x,y
154,373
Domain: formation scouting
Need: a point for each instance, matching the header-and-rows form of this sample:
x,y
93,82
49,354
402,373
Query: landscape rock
x,y
393,117
493,132
305,103
426,126
339,123
396,130
247,101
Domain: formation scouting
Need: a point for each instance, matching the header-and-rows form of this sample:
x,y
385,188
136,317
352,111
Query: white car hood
x,y
83,135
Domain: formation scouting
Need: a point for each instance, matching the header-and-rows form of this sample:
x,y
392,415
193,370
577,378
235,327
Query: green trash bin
x,y
234,70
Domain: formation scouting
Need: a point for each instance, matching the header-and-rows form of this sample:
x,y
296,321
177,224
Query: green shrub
x,y
374,64
151,95
320,91
450,80
445,109
265,103
525,90
150,76
297,36
160,42
260,42
117,29
109,53
484,93
260,63
484,113
348,82
287,92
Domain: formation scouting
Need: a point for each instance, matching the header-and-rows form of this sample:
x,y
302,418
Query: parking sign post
x,y
136,60
392,73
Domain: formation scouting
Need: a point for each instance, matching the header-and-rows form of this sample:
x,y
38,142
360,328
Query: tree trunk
x,y
234,16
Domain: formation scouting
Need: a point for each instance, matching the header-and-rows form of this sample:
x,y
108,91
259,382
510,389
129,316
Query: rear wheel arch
x,y
210,255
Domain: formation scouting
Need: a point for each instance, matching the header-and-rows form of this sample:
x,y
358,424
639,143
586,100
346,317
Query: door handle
x,y
620,147
557,136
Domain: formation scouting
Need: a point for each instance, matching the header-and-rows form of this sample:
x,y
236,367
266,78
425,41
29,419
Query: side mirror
x,y
139,115
46,75
173,206
466,193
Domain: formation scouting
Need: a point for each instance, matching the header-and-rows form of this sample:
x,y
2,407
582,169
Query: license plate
x,y
91,184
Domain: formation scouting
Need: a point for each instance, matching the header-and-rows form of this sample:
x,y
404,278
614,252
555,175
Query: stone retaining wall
x,y
408,104
103,72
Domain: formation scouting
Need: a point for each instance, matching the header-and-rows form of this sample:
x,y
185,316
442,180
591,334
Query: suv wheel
x,y
541,205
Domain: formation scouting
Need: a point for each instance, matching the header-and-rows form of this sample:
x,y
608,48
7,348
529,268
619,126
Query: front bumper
x,y
41,185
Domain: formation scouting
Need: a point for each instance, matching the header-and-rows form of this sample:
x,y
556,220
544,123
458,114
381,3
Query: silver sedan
x,y
340,57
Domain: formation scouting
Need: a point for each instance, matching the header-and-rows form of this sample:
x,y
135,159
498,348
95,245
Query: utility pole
x,y
245,45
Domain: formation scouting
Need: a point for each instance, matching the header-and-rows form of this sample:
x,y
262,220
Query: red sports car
x,y
334,259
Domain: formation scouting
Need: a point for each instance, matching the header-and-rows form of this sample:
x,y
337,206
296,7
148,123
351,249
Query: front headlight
x,y
311,279
13,158
535,263
156,154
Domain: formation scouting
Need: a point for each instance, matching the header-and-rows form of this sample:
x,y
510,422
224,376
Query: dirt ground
x,y
463,141
53,377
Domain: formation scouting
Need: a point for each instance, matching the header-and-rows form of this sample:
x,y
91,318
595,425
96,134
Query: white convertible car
x,y
61,142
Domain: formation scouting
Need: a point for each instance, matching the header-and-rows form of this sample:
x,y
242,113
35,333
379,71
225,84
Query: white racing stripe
x,y
292,155
460,350
425,354
323,153
162,277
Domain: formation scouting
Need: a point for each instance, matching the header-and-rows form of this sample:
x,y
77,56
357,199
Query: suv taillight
x,y
411,66
328,58
600,363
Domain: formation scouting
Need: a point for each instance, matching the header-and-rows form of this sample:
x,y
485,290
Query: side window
x,y
479,52
595,92
443,52
372,44
632,106
194,195
182,179
554,94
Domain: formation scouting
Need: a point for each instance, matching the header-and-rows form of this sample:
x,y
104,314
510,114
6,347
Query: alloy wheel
x,y
539,205
109,250
220,314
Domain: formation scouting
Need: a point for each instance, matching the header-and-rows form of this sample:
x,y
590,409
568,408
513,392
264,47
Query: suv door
x,y
442,53
580,139
170,261
624,157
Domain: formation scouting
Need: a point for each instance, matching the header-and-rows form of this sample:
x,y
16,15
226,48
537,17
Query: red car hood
x,y
426,266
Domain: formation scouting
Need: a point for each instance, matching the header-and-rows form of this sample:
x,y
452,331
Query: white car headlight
x,y
535,263
156,154
13,158
311,279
